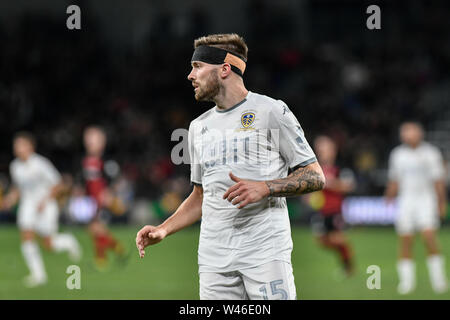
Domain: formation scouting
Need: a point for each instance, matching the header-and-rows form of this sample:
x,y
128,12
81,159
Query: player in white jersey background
x,y
417,175
36,182
241,151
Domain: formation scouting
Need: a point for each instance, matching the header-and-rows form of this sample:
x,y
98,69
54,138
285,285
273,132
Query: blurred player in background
x,y
241,151
96,184
416,174
328,223
36,182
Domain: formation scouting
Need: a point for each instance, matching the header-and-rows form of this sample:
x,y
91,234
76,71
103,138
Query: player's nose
x,y
190,76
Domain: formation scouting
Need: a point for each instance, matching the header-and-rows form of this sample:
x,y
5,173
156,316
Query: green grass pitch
x,y
169,270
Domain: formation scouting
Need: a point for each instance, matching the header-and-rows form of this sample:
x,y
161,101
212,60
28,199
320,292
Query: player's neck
x,y
26,157
95,154
415,145
328,163
229,97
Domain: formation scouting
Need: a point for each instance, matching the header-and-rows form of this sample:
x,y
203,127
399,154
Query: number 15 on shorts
x,y
274,290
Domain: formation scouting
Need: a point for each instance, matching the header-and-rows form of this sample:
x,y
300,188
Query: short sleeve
x,y
436,165
293,146
393,168
196,169
49,171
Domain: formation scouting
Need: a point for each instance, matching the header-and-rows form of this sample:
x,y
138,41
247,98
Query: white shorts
x,y
270,281
44,223
416,215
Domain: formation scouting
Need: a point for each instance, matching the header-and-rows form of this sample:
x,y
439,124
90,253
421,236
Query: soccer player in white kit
x,y
416,173
37,182
240,151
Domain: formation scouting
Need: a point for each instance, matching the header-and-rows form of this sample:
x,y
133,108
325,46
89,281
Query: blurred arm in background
x,y
11,198
187,213
55,191
441,193
393,176
340,185
391,190
439,170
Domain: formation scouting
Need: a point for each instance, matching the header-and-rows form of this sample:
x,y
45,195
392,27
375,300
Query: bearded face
x,y
207,89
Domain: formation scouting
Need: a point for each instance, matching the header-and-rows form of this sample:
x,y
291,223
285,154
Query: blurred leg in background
x,y
103,241
330,236
435,262
33,259
63,242
406,267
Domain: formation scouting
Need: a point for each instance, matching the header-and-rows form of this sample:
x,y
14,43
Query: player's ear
x,y
225,70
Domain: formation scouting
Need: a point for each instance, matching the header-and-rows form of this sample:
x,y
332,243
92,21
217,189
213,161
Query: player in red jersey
x,y
97,187
328,224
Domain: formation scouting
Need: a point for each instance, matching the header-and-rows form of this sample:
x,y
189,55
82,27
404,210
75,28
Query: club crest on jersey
x,y
247,119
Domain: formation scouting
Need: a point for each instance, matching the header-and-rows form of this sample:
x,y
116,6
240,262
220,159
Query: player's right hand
x,y
147,236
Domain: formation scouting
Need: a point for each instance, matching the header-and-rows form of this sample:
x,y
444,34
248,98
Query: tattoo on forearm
x,y
300,181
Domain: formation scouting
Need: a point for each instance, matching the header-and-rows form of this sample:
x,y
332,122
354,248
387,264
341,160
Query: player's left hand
x,y
246,191
41,205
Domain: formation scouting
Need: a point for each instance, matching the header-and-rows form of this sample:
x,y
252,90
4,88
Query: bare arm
x,y
442,197
54,192
391,190
340,185
187,213
303,180
10,198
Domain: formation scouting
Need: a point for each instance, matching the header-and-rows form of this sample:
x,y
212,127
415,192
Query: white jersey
x,y
257,139
34,178
416,170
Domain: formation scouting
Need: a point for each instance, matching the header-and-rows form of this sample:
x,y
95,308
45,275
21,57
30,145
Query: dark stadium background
x,y
126,70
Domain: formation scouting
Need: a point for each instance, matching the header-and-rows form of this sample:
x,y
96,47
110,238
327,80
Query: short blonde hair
x,y
229,41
